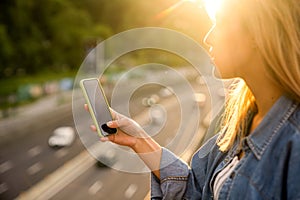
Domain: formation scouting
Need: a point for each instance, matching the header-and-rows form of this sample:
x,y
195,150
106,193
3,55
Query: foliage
x,y
43,41
55,34
37,35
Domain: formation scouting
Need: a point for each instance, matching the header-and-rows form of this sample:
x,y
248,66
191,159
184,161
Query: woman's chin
x,y
217,73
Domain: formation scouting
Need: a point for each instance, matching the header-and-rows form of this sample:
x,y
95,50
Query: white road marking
x,y
95,187
34,168
5,166
58,180
61,153
130,191
3,188
34,151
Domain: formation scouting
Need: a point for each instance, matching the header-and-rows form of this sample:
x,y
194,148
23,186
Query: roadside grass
x,y
10,86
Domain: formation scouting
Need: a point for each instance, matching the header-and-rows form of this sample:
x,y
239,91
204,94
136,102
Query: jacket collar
x,y
277,116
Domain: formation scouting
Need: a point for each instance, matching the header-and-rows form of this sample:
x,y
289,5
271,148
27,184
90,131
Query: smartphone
x,y
98,106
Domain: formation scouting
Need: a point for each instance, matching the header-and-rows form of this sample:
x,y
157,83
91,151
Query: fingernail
x,y
109,123
104,139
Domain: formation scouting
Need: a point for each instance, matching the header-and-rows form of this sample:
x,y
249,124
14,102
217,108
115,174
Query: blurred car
x,y
107,158
200,98
150,101
62,136
158,114
166,92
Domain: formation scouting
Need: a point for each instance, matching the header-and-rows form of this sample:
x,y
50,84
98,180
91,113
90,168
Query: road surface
x,y
28,160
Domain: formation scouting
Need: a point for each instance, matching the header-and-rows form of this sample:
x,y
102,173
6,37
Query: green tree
x,y
44,35
53,34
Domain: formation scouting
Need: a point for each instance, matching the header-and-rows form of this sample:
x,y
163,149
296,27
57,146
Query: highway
x,y
28,159
106,183
28,162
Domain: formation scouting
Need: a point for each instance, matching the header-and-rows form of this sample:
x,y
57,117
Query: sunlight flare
x,y
211,6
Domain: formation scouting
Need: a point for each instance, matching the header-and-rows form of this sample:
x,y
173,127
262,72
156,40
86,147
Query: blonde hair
x,y
275,28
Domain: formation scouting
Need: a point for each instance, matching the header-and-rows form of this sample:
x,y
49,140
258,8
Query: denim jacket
x,y
270,168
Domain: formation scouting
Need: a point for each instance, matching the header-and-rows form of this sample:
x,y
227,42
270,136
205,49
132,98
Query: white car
x,y
62,136
107,158
200,98
150,101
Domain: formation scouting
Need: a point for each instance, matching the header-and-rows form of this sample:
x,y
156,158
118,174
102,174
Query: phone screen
x,y
99,105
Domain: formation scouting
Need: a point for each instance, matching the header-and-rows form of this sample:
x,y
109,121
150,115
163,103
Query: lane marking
x,y
61,153
35,168
34,151
58,180
3,188
130,191
95,187
5,166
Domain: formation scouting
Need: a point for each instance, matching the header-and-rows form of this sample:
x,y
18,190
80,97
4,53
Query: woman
x,y
256,155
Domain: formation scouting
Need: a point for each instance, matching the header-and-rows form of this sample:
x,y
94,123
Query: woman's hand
x,y
128,130
131,134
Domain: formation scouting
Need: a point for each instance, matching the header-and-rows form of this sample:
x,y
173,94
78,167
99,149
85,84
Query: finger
x,y
86,107
104,139
108,138
113,124
93,128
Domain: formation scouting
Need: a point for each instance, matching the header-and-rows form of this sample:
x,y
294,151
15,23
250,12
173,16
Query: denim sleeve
x,y
178,180
173,178
293,171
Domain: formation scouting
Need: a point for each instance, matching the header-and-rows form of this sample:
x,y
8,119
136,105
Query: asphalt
x,y
38,112
33,115
53,183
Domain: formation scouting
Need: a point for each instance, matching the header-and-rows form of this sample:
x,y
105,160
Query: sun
x,y
212,6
